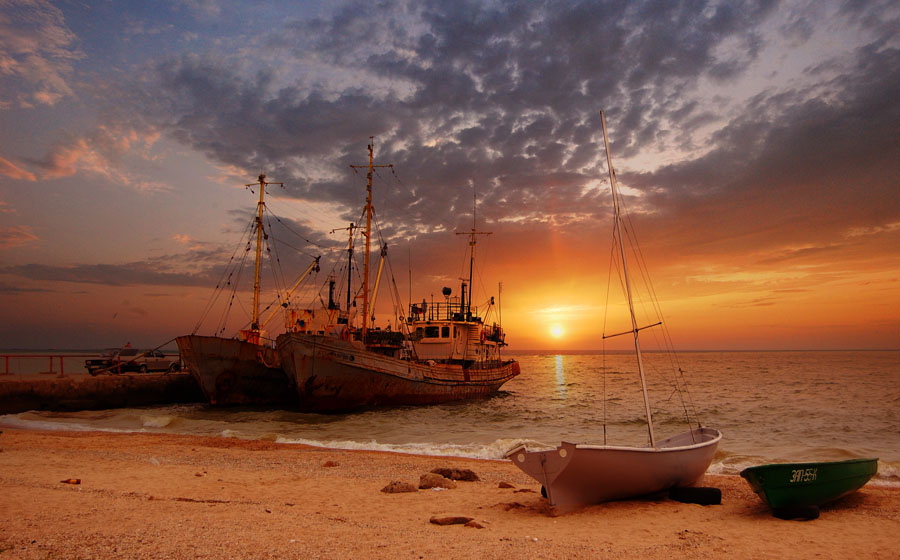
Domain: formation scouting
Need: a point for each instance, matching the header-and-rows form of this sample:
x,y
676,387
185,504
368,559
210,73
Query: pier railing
x,y
34,360
16,363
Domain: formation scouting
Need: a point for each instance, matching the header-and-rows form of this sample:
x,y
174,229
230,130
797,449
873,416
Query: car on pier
x,y
132,359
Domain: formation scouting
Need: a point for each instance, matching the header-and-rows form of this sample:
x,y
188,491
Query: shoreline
x,y
147,495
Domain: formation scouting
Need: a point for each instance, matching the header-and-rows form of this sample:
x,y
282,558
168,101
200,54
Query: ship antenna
x,y
472,234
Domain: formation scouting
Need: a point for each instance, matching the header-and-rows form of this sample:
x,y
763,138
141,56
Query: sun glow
x,y
556,331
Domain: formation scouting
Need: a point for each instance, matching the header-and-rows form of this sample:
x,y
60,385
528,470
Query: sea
x,y
782,406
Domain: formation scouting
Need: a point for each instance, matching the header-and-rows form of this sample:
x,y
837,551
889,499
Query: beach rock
x,y
526,490
465,475
474,524
71,481
397,487
434,480
450,520
505,485
329,464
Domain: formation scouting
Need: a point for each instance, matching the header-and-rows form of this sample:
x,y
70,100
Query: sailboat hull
x,y
333,374
577,475
235,372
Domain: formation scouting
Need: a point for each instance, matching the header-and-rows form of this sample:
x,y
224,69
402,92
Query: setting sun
x,y
556,331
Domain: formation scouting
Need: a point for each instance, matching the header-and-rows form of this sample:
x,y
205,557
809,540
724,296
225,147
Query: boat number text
x,y
803,475
342,356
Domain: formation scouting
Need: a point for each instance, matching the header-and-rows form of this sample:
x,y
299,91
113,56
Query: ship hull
x,y
333,375
235,372
577,475
809,484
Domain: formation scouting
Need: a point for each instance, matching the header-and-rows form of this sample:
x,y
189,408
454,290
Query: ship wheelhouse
x,y
450,332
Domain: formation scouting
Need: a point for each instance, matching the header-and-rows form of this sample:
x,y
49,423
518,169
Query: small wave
x,y
156,421
494,450
15,421
888,474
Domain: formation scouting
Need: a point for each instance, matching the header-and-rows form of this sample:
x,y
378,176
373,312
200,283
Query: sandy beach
x,y
176,496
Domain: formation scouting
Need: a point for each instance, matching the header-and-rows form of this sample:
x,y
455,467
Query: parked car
x,y
132,359
105,360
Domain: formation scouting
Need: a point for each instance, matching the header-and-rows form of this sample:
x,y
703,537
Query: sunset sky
x,y
757,145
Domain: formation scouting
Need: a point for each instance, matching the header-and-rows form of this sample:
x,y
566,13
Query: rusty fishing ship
x,y
440,351
244,369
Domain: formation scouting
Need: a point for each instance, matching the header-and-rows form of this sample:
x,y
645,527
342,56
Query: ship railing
x,y
450,310
384,338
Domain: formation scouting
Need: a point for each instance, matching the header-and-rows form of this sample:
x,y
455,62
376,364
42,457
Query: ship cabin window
x,y
432,332
445,332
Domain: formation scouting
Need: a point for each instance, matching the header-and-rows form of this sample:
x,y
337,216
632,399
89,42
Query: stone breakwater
x,y
20,393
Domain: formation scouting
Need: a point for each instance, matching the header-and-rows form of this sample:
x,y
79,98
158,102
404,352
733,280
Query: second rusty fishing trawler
x,y
244,369
442,351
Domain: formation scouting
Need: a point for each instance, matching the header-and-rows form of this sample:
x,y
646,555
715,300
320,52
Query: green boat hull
x,y
808,484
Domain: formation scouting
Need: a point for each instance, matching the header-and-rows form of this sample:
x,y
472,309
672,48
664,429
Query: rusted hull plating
x,y
235,372
577,475
332,375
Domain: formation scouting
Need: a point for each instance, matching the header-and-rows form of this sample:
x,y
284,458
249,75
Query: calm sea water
x,y
770,407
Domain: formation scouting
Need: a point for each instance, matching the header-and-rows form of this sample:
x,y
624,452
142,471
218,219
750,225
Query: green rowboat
x,y
785,485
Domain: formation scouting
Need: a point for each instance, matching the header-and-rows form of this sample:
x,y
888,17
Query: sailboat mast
x,y
637,341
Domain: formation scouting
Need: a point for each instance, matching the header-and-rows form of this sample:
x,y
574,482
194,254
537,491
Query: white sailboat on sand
x,y
581,474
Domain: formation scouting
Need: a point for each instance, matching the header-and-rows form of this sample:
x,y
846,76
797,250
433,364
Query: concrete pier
x,y
19,393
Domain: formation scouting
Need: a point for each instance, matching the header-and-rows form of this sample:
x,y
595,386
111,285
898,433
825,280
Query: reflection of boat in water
x,y
442,352
783,485
245,369
581,474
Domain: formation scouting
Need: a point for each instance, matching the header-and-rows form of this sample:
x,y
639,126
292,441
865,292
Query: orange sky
x,y
756,149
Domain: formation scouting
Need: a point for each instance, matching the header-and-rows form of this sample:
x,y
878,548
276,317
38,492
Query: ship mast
x,y
368,232
472,234
254,325
351,229
634,328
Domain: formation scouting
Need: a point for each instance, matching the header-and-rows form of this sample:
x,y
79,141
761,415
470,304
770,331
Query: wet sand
x,y
175,496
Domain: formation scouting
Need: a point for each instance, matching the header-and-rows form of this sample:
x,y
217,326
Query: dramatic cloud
x,y
99,152
198,267
14,236
37,53
504,101
13,171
